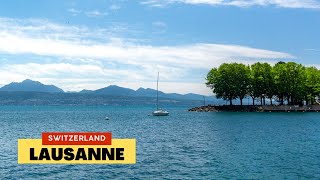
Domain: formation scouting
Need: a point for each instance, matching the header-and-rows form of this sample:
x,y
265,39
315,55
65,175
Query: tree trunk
x,y
271,101
241,101
261,101
230,102
306,100
253,100
281,100
264,101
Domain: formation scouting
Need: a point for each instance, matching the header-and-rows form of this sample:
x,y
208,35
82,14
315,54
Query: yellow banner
x,y
31,151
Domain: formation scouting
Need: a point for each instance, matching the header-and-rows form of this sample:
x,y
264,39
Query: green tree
x,y
253,89
229,81
312,84
295,84
241,74
221,81
268,80
262,81
280,81
289,82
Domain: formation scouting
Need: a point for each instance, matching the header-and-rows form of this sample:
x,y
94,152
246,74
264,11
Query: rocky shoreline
x,y
222,108
256,108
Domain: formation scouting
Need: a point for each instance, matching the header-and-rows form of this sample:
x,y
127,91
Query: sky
x,y
91,44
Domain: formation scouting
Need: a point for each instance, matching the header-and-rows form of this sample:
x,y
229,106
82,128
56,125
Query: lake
x,y
183,145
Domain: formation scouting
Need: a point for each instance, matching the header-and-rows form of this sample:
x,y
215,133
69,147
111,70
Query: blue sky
x,y
90,44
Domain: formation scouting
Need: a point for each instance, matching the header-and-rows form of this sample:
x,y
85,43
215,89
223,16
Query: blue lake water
x,y
184,145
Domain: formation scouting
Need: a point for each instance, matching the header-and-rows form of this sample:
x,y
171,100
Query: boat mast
x,y
158,92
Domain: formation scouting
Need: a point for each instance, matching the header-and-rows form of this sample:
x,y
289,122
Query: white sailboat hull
x,y
160,113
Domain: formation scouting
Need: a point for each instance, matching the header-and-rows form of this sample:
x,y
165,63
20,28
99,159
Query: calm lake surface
x,y
184,145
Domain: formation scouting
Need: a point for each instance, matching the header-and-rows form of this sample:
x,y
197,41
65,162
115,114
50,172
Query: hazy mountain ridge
x,y
31,86
148,92
79,99
112,90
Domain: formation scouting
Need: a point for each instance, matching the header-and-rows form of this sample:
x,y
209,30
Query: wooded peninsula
x,y
285,83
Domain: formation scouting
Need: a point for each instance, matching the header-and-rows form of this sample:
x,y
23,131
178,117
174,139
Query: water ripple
x,y
183,145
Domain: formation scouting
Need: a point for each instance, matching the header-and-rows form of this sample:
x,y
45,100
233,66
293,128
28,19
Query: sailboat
x,y
159,112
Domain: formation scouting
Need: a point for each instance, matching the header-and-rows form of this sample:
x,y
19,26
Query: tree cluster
x,y
284,82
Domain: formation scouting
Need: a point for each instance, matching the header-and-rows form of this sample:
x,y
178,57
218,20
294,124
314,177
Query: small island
x,y
284,87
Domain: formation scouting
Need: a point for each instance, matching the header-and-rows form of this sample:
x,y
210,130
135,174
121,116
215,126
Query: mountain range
x,y
31,86
112,90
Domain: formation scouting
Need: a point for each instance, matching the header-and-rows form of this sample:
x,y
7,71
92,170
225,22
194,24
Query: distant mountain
x,y
30,86
152,93
85,91
115,91
148,92
193,96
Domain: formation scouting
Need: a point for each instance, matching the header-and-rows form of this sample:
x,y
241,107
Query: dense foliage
x,y
284,82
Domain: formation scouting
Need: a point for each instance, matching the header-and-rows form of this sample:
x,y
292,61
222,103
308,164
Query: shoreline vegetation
x,y
287,86
256,108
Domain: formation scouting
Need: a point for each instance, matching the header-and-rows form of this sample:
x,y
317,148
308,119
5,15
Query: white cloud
x,y
307,4
115,7
96,13
91,58
159,24
186,56
74,12
93,13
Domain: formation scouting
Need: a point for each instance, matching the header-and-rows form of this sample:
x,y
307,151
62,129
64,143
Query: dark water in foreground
x,y
184,145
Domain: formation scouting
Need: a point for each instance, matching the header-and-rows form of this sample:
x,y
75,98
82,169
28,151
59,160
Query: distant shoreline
x,y
256,108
